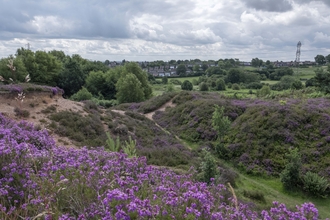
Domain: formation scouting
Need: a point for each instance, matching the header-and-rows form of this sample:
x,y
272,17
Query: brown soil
x,y
34,104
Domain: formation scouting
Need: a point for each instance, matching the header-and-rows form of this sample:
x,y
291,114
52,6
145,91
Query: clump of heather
x,y
41,180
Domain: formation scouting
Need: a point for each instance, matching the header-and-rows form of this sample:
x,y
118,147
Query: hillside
x,y
170,130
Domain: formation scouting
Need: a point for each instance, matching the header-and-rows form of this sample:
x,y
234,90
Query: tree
x,y
220,85
71,79
129,89
181,70
320,59
96,83
49,68
142,76
327,58
208,167
221,124
290,176
256,62
322,79
205,66
233,76
280,72
18,74
187,85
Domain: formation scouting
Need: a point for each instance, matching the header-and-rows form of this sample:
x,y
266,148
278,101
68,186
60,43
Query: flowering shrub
x,y
39,179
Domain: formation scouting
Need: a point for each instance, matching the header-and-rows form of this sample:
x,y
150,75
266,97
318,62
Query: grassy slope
x,y
273,191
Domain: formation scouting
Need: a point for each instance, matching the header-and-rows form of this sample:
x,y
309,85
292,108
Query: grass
x,y
273,191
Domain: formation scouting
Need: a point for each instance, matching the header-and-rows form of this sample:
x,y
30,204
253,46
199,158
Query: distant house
x,y
167,73
161,74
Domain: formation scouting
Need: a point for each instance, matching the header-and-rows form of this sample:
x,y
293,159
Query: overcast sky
x,y
138,30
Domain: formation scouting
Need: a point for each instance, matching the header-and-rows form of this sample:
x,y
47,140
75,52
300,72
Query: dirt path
x,y
162,108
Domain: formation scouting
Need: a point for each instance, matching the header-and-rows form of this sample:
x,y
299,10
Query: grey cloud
x,y
326,2
269,5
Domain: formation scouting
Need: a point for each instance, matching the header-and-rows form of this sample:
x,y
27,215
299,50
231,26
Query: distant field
x,y
185,78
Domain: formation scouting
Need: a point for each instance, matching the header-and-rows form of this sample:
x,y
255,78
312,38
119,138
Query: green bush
x,y
82,95
176,82
290,176
220,85
264,91
314,184
187,85
235,86
203,87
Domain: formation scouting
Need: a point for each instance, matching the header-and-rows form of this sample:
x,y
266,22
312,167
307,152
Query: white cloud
x,y
167,29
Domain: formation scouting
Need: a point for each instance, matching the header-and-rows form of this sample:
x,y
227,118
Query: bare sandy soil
x,y
35,104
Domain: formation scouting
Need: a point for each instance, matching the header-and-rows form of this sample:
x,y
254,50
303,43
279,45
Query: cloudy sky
x,y
139,30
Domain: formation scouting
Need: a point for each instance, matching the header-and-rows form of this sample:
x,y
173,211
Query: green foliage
x,y
203,87
314,184
155,102
170,87
220,85
287,82
256,62
181,70
129,89
81,95
48,69
71,79
142,76
280,72
130,147
176,82
18,75
187,85
264,91
86,131
320,59
255,195
165,80
322,79
290,176
235,86
111,144
220,122
235,75
208,167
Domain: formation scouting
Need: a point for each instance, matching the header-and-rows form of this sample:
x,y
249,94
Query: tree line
x,y
126,83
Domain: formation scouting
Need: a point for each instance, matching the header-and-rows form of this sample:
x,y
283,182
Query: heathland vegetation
x,y
223,144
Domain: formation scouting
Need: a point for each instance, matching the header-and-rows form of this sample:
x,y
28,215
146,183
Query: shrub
x,y
290,176
254,85
187,85
235,86
264,91
315,184
220,85
81,95
22,113
176,82
208,167
203,87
